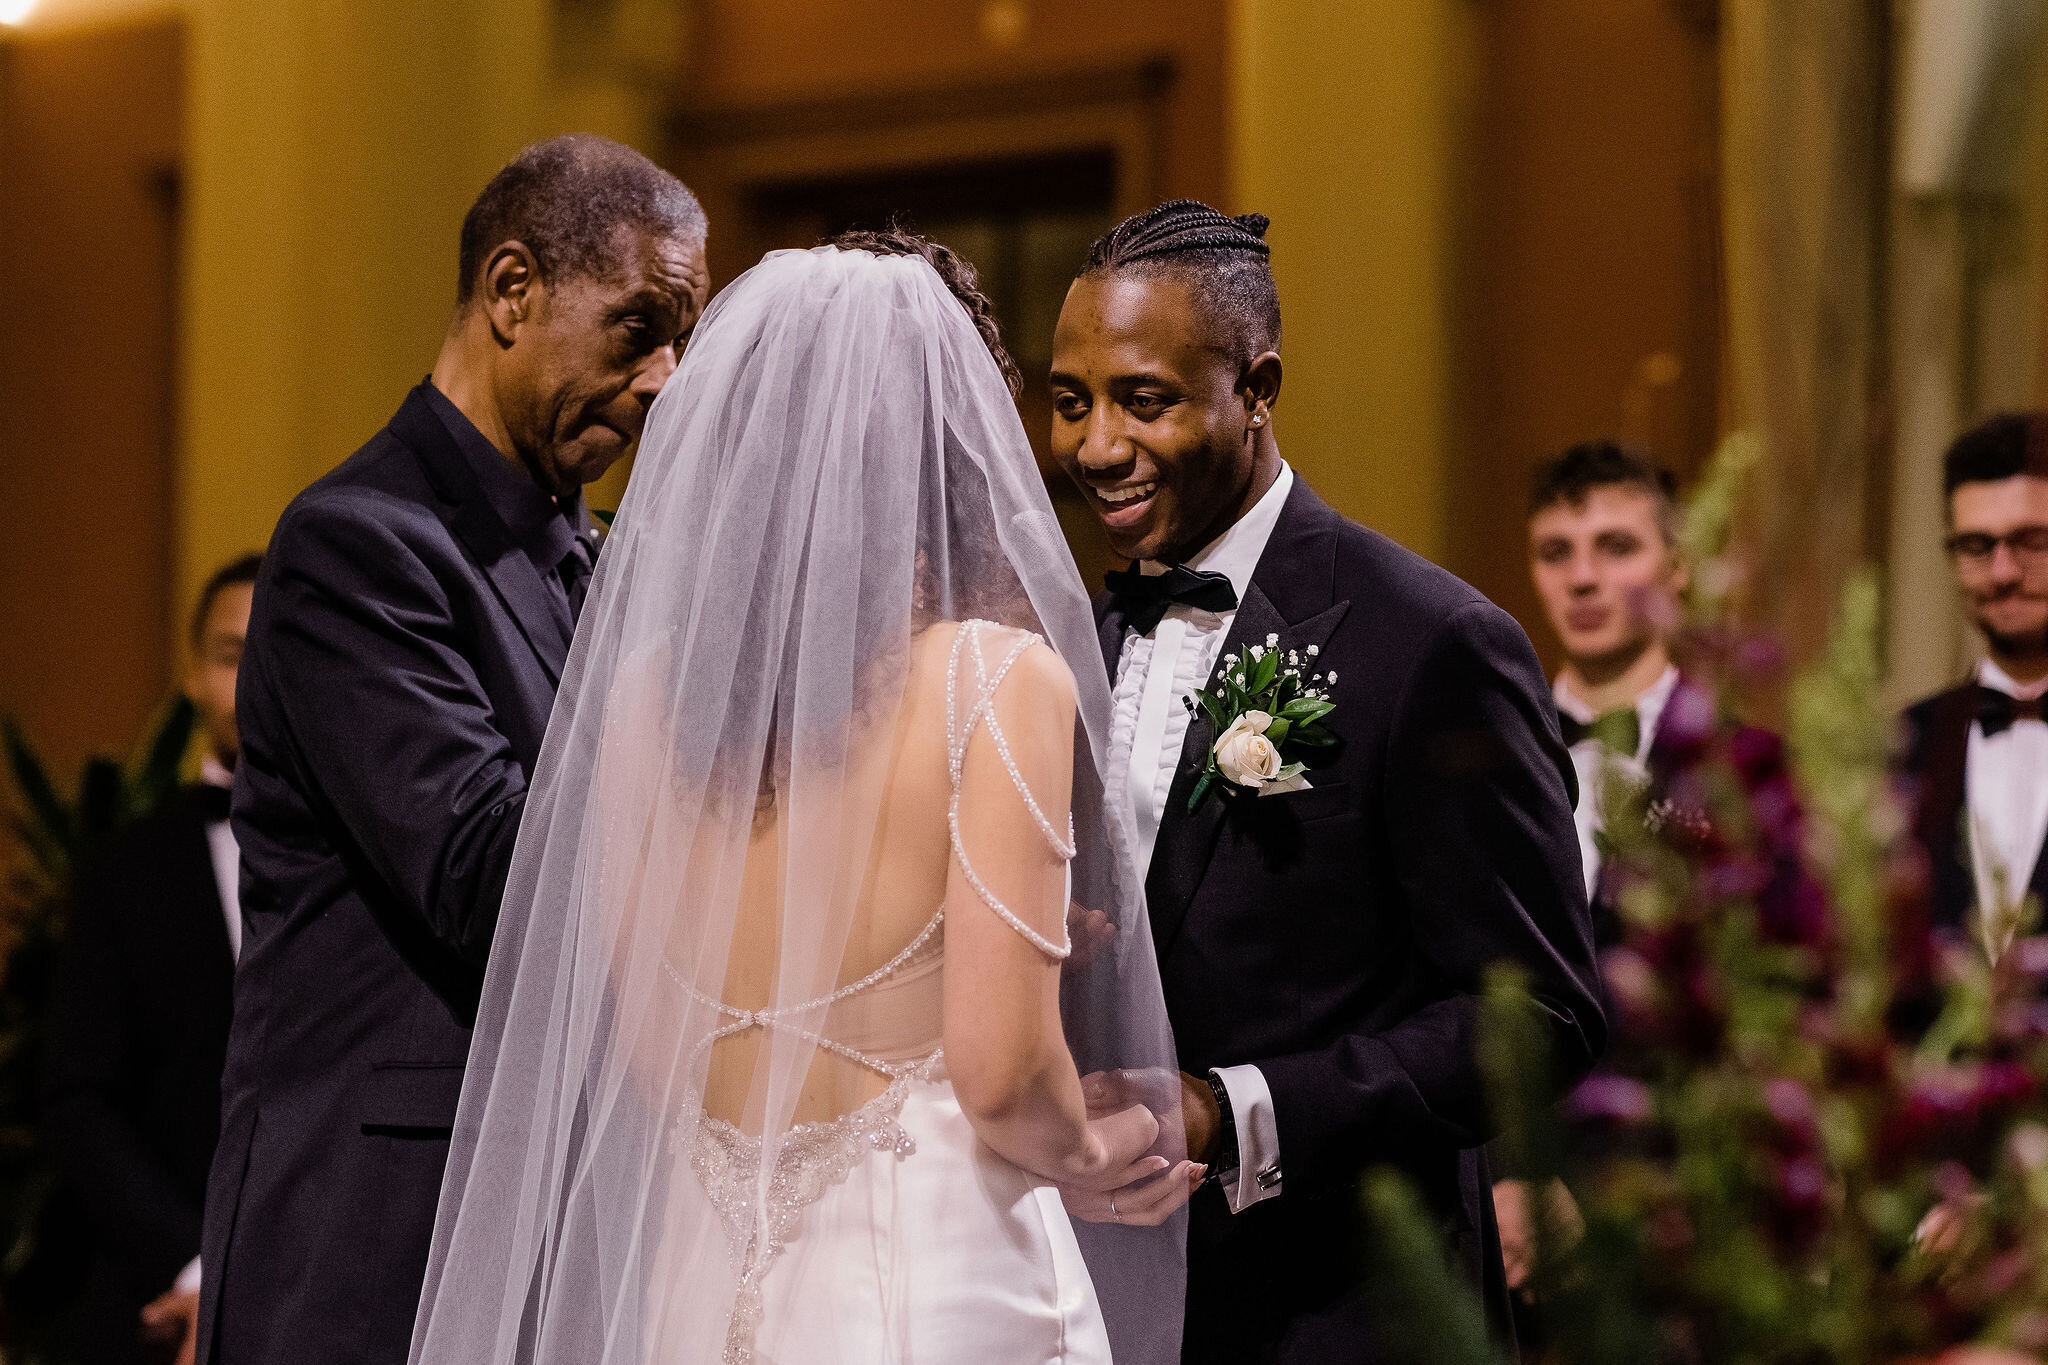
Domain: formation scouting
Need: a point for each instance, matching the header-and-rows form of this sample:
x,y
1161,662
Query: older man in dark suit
x,y
408,634
1323,940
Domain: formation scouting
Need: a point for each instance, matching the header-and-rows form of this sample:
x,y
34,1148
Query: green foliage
x,y
57,839
1801,1071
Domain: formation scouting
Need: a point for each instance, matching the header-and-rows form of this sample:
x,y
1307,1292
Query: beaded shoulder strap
x,y
959,730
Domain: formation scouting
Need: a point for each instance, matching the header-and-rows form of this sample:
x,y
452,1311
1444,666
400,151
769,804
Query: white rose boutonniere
x,y
1264,711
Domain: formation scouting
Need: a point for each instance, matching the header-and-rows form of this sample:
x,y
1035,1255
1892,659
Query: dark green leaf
x,y
1265,671
602,515
1277,731
1306,709
155,770
43,807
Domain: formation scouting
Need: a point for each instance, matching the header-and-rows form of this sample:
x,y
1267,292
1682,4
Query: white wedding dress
x,y
706,1113
893,1235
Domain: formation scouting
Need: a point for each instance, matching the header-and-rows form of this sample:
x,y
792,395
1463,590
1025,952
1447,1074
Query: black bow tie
x,y
1143,598
213,801
1997,710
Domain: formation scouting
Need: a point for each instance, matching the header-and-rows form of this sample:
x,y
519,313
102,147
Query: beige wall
x,y
332,151
89,135
1347,127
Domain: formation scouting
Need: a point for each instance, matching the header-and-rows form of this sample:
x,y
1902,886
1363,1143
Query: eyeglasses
x,y
2029,545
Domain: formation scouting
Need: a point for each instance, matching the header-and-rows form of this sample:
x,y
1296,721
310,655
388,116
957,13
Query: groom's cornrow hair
x,y
1225,260
961,278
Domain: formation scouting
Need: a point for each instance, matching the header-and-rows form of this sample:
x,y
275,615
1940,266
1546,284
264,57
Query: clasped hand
x,y
1142,1175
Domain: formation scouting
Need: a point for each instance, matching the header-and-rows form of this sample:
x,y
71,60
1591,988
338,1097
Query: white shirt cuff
x,y
188,1278
1258,1138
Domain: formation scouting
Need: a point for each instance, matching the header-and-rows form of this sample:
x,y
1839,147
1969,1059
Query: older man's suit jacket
x,y
402,660
1338,937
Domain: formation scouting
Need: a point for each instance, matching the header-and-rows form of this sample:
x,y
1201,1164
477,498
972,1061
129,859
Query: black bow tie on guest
x,y
1143,598
213,801
1997,710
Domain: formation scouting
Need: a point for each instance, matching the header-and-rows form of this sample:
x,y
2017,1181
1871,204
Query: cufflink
x,y
1269,1177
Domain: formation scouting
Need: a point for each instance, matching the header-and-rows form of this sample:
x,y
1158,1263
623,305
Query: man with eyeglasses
x,y
1978,753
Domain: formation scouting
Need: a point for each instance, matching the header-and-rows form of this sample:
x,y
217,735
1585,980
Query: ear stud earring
x,y
1258,419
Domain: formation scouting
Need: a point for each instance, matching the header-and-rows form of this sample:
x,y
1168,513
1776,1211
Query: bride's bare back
x,y
928,962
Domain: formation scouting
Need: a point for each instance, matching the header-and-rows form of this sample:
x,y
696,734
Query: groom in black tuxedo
x,y
1322,946
408,633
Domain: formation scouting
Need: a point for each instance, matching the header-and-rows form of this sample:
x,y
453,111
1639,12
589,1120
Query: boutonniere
x,y
1265,711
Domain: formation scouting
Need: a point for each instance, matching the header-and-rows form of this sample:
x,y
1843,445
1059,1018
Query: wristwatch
x,y
1226,1158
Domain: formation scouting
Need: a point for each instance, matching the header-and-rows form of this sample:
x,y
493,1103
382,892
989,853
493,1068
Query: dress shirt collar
x,y
214,773
1650,704
1235,553
1997,679
542,525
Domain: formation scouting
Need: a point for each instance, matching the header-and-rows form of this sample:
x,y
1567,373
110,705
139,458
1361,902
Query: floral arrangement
x,y
1263,712
1821,1136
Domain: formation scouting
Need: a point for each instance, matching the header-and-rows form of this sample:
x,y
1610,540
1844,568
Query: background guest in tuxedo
x,y
1603,551
409,631
1607,566
140,1023
1322,949
1977,754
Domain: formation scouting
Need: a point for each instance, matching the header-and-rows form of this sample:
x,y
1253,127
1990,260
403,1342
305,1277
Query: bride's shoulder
x,y
1037,673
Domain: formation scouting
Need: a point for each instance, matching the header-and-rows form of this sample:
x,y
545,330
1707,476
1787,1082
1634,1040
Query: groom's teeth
x,y
1132,494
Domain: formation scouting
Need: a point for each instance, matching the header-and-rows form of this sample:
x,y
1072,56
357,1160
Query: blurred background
x,y
228,230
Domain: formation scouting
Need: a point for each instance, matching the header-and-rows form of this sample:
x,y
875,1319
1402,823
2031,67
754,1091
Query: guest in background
x,y
1977,754
1605,558
140,1023
1603,551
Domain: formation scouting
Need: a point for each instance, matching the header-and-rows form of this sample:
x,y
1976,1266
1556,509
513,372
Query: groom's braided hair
x,y
1224,260
959,274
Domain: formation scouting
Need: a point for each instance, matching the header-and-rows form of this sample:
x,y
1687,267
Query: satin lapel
x,y
483,533
1180,857
518,583
1942,801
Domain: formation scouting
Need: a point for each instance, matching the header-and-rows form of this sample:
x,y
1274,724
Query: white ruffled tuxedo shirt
x,y
1145,738
2006,788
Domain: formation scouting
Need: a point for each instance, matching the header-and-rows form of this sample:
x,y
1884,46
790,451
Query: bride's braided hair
x,y
1224,260
957,271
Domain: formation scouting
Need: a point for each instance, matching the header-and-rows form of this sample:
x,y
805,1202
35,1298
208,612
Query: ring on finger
x,y
1114,1216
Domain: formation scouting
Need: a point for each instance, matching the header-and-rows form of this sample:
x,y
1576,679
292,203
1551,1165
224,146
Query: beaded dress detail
x,y
814,1157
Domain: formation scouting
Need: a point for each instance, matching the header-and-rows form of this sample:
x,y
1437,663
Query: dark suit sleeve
x,y
1479,808
90,1096
365,659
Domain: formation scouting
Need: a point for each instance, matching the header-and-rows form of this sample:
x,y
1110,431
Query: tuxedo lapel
x,y
483,533
1298,566
1943,797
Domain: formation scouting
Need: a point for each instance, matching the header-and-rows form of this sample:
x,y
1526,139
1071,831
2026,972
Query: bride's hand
x,y
1148,1202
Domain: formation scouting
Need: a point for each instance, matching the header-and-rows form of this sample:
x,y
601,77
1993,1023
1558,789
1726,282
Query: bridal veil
x,y
835,467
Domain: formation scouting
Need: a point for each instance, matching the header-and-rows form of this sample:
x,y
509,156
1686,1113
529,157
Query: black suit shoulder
x,y
1920,722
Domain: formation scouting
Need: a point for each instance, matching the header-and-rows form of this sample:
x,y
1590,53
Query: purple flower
x,y
1610,1098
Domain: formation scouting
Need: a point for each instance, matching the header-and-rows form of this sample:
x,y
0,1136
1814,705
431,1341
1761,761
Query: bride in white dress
x,y
820,907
